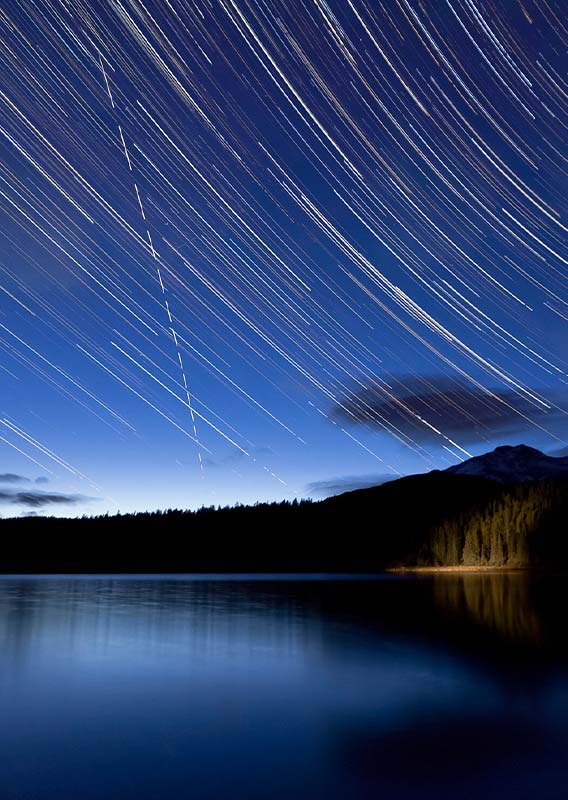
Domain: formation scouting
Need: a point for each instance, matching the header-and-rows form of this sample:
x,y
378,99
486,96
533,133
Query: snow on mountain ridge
x,y
514,464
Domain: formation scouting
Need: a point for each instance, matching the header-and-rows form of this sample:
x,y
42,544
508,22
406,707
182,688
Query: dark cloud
x,y
10,477
416,406
41,480
345,483
35,499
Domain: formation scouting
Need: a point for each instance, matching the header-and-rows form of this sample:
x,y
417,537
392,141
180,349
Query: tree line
x,y
437,519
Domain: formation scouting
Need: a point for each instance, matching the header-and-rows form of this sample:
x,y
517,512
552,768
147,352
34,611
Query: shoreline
x,y
480,568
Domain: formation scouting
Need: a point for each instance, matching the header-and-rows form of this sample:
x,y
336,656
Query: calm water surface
x,y
208,688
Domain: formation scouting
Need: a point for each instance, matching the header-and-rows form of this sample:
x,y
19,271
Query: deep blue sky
x,y
341,225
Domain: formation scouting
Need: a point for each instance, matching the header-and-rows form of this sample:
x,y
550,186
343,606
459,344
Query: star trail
x,y
248,247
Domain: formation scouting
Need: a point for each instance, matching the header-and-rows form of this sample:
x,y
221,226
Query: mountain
x,y
514,464
510,510
444,519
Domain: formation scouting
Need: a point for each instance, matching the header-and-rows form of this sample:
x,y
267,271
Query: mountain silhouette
x,y
514,464
508,508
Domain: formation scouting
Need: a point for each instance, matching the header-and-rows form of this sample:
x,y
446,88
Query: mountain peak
x,y
521,449
514,464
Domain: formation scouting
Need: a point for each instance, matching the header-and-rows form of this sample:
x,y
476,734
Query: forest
x,y
525,524
432,520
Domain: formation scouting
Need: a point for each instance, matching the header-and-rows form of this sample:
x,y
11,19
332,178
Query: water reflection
x,y
441,686
502,614
502,604
47,618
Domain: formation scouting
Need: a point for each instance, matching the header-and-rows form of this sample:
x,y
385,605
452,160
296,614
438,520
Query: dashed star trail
x,y
248,247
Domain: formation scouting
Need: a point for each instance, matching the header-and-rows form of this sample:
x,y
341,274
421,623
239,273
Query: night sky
x,y
264,250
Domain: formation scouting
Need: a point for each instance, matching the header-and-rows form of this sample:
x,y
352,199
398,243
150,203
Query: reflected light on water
x,y
442,686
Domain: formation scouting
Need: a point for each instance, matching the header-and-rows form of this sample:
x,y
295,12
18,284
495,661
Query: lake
x,y
213,687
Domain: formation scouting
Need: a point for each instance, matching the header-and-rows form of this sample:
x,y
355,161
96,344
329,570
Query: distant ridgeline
x,y
438,519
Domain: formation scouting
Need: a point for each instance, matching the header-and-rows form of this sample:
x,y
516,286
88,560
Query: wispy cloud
x,y
36,499
560,452
236,457
10,477
345,483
